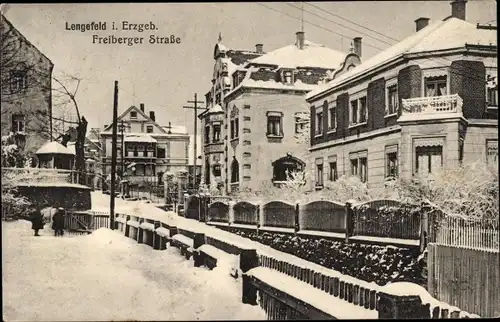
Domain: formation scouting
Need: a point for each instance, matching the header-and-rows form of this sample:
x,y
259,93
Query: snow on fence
x,y
387,218
465,232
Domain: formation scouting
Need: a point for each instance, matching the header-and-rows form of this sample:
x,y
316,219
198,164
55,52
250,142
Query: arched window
x,y
235,171
286,164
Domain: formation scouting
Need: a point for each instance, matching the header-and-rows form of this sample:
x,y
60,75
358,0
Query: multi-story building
x,y
213,122
264,118
429,102
26,78
149,150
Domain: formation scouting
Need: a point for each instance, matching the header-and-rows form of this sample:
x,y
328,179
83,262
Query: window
x,y
133,114
319,123
429,159
284,165
333,171
18,81
491,151
392,100
235,128
18,124
492,91
207,171
160,153
216,135
332,120
274,124
149,129
359,165
235,171
319,172
301,121
358,112
207,134
288,77
217,170
391,161
435,86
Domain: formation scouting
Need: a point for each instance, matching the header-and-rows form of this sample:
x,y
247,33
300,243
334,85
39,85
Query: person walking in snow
x,y
60,225
58,222
36,219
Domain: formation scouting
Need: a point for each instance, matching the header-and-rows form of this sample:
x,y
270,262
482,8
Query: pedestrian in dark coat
x,y
56,221
60,225
36,221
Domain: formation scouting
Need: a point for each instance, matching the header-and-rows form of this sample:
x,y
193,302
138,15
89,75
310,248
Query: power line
x,y
313,24
319,16
332,14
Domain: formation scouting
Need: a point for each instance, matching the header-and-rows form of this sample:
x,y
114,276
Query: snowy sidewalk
x,y
105,276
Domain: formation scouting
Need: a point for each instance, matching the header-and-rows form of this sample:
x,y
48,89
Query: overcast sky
x,y
164,77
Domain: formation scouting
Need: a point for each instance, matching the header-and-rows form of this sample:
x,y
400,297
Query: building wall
x,y
253,149
466,77
34,100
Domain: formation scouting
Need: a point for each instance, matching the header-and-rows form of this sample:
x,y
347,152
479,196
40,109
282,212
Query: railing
x,y
434,104
41,175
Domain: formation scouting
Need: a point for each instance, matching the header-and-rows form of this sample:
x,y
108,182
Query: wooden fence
x,y
279,214
85,222
246,213
322,216
465,277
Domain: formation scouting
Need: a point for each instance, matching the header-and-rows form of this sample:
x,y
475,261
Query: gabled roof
x,y
138,110
451,33
312,55
54,148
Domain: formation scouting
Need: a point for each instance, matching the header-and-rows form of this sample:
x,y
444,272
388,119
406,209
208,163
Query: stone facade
x,y
422,113
26,89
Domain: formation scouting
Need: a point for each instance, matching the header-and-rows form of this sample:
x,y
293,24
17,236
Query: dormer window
x,y
288,77
238,78
133,114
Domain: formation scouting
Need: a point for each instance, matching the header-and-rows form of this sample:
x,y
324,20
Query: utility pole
x,y
195,107
113,159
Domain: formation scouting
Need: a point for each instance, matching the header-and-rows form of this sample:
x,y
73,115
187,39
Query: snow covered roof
x,y
444,34
54,148
215,109
312,55
139,138
72,147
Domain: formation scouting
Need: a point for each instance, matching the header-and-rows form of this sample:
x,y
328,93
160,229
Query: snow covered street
x,y
106,276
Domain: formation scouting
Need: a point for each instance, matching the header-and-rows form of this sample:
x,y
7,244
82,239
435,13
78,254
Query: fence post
x,y
230,212
115,222
198,240
424,226
156,237
297,216
140,231
401,307
248,260
127,227
349,218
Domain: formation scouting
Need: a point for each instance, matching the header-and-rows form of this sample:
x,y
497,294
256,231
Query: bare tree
x,y
26,77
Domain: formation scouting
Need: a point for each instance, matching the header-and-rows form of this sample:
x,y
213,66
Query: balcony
x,y
429,108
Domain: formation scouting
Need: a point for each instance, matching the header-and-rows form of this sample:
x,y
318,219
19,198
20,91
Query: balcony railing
x,y
39,176
433,105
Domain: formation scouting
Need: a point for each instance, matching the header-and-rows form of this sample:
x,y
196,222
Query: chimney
x,y
357,46
142,107
421,23
259,48
152,115
300,39
458,9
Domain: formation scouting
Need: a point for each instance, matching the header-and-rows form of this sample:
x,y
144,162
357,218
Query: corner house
x,y
429,102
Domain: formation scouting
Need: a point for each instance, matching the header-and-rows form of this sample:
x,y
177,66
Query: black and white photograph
x,y
198,161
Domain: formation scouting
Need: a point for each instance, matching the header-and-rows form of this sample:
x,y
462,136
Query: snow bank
x,y
183,239
321,300
147,226
163,232
133,223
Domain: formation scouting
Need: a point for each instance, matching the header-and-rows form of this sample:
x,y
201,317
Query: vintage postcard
x,y
250,161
